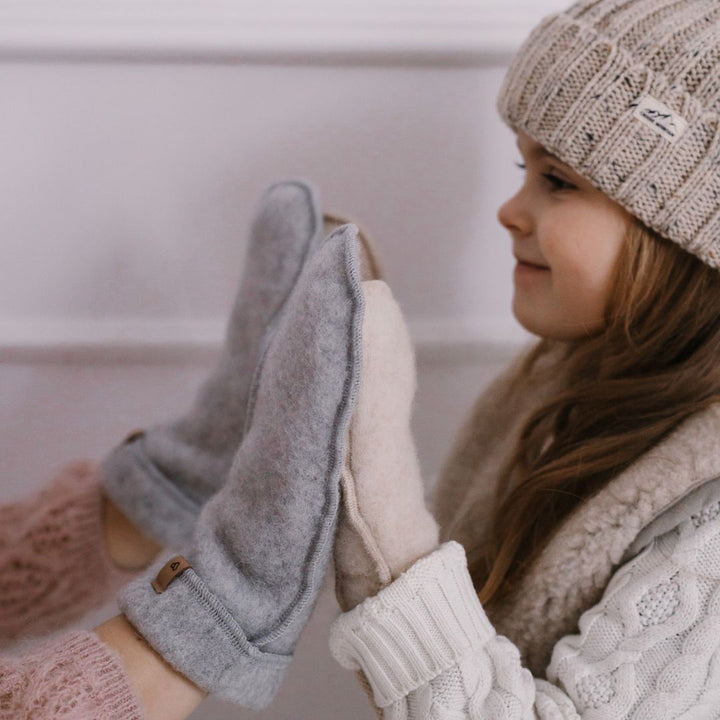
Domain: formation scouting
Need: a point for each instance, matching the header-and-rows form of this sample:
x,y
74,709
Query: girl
x,y
579,573
585,486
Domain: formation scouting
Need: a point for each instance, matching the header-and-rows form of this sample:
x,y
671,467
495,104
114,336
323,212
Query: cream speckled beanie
x,y
627,93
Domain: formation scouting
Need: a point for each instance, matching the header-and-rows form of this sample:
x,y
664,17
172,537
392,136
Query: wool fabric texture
x,y
54,568
74,677
161,477
54,563
262,544
383,518
627,93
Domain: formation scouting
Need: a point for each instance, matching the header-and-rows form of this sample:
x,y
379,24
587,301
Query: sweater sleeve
x,y
648,649
54,565
72,677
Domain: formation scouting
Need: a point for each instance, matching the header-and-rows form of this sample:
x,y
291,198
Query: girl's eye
x,y
558,183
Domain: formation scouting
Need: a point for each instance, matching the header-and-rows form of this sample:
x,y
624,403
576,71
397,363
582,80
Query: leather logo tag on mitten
x,y
173,568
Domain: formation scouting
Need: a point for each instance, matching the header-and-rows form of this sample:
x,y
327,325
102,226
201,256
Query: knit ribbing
x,y
646,650
628,94
424,621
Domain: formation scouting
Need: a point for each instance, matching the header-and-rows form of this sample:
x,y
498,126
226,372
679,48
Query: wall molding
x,y
432,31
172,342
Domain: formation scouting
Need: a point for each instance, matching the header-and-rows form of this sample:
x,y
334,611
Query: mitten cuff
x,y
415,628
143,492
197,635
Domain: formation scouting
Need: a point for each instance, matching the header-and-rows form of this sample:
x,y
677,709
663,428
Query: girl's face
x,y
566,236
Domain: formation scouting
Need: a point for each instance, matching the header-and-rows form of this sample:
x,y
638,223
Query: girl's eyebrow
x,y
540,151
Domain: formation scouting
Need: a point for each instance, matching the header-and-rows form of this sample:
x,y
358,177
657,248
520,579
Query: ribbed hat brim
x,y
577,90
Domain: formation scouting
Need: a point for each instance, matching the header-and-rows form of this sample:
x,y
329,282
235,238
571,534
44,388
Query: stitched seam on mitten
x,y
227,623
351,387
357,522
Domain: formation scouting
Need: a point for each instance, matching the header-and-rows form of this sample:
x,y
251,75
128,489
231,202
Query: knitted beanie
x,y
627,93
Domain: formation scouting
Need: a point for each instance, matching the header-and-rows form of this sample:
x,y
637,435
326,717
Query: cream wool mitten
x,y
228,612
384,524
160,478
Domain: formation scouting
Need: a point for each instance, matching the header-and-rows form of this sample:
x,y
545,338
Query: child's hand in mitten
x,y
384,525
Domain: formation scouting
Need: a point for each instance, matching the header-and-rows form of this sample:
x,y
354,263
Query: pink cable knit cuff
x,y
54,565
76,677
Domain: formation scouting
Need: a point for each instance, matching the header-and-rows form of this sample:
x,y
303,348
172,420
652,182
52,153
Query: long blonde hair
x,y
656,362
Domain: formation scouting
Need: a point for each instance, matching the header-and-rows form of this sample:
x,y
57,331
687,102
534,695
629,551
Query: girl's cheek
x,y
554,246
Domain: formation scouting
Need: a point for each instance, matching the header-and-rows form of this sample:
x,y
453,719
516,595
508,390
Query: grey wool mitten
x,y
160,478
228,611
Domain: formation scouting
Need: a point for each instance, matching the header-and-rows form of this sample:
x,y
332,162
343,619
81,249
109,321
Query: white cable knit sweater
x,y
648,648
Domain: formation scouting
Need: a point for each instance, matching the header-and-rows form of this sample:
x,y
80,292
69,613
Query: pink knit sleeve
x,y
54,565
76,677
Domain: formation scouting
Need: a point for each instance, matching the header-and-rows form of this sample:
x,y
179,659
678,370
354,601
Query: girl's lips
x,y
529,263
522,265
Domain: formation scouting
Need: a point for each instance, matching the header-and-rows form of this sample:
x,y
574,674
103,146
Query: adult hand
x,y
228,612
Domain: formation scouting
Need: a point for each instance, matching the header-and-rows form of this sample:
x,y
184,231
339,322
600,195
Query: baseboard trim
x,y
167,341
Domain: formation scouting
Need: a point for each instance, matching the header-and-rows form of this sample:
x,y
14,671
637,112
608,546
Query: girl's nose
x,y
513,215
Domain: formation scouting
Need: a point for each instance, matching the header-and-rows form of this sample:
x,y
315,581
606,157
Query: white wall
x,y
133,155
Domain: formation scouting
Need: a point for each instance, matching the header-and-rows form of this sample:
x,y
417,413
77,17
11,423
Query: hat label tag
x,y
660,118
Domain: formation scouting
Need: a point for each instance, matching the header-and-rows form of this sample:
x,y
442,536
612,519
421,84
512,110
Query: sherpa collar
x,y
574,568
